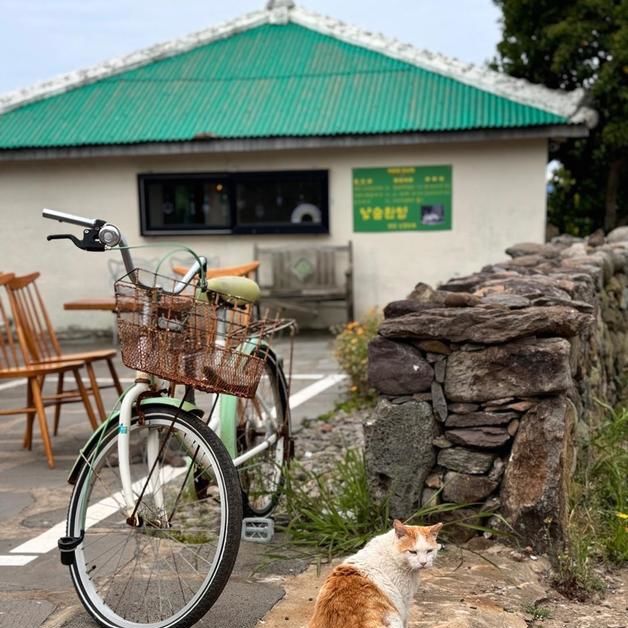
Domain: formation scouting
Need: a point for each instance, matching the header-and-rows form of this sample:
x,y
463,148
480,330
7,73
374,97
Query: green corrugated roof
x,y
269,81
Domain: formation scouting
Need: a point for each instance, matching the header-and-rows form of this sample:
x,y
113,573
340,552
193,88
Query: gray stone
x,y
517,369
432,358
424,293
617,235
439,371
596,238
425,396
498,402
465,461
460,299
461,488
434,480
405,306
532,248
486,325
438,401
497,470
473,419
511,301
484,437
442,442
581,306
430,497
531,287
578,249
535,489
520,406
434,346
463,408
396,368
399,453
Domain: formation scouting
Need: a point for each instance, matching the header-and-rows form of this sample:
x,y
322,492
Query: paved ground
x,y
34,498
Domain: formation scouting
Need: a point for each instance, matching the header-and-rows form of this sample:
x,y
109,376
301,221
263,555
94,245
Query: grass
x,y
538,613
333,513
598,524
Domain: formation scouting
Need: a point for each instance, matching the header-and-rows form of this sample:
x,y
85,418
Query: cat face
x,y
416,545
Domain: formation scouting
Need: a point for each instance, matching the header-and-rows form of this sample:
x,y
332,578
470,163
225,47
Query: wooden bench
x,y
304,278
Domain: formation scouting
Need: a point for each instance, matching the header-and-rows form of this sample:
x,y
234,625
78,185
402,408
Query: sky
x,y
42,39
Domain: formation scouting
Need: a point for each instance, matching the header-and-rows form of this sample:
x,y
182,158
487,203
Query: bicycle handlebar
x,y
100,235
71,218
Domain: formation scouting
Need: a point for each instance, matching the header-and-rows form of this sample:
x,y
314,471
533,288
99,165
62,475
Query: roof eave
x,y
264,144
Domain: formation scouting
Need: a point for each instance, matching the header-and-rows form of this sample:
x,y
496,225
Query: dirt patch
x,y
492,587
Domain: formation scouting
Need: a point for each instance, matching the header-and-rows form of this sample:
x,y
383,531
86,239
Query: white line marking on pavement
x,y
315,389
12,384
15,561
47,540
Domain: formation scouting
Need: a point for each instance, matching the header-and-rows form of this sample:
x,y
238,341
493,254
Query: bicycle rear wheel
x,y
167,568
264,418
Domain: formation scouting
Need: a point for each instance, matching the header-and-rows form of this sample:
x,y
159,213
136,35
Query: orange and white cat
x,y
375,587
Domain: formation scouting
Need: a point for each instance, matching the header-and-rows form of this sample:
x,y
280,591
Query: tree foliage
x,y
567,44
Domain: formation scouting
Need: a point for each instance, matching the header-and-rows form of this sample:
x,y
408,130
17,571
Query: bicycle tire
x,y
262,489
134,594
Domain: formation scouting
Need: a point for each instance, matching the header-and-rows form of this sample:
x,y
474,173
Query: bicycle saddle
x,y
236,290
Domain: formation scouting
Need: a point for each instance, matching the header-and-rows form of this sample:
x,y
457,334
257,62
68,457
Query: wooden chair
x,y
243,270
12,367
40,344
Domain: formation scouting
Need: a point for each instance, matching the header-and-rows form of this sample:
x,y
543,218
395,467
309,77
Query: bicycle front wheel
x,y
165,567
264,421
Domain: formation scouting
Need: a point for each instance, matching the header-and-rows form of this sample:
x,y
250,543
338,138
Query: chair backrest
x,y
35,331
10,354
294,269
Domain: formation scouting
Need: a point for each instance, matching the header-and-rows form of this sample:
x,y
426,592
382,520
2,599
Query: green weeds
x,y
598,525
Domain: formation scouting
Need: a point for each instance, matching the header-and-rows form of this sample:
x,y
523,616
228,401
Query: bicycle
x,y
154,521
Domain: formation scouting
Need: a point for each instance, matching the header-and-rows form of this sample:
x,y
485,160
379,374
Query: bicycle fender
x,y
91,444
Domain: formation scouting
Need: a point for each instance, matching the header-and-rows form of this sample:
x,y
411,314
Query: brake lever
x,y
90,241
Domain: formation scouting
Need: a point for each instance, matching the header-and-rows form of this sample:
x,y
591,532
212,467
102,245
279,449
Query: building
x,y
280,127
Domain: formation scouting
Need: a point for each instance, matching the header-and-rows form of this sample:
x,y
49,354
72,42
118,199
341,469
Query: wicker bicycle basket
x,y
201,339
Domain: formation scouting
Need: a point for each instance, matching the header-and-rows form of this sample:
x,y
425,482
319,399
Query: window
x,y
243,202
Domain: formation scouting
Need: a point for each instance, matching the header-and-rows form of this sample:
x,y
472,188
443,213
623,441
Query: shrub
x,y
351,351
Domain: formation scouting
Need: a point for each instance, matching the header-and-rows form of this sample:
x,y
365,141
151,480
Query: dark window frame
x,y
231,179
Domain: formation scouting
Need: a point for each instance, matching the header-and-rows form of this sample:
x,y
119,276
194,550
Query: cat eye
x,y
412,551
429,551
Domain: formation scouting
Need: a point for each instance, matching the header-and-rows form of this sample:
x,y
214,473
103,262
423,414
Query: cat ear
x,y
435,529
400,529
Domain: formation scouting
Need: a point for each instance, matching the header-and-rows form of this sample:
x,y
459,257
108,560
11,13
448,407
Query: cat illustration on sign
x,y
375,587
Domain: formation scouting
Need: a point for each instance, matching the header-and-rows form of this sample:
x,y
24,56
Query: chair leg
x,y
58,402
85,397
114,376
30,418
89,367
43,424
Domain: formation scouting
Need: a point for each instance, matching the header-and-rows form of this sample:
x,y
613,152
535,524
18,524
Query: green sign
x,y
404,198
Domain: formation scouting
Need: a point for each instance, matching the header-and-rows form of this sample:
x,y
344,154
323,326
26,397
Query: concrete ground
x,y
33,499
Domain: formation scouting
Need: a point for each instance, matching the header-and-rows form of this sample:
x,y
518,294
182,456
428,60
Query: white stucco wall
x,y
498,198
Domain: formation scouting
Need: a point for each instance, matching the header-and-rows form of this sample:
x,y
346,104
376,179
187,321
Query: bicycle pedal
x,y
258,529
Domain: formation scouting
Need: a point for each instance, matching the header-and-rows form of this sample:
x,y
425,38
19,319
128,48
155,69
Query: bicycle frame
x,y
98,236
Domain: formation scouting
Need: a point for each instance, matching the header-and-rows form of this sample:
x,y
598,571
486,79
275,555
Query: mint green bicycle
x,y
155,517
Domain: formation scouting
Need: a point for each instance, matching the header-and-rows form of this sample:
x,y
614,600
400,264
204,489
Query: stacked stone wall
x,y
489,383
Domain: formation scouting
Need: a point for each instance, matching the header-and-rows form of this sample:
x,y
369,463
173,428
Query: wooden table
x,y
102,305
